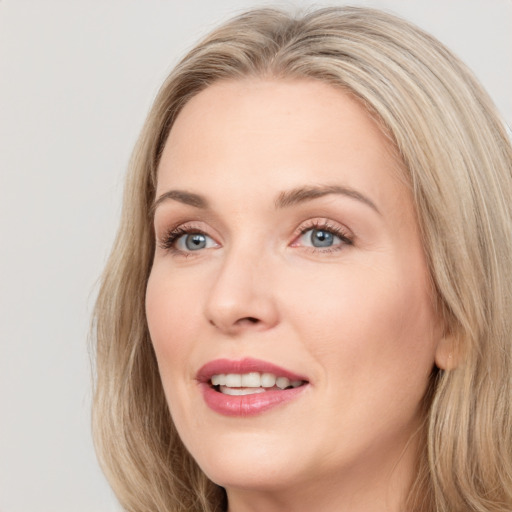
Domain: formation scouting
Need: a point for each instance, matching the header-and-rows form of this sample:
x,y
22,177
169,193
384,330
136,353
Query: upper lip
x,y
241,366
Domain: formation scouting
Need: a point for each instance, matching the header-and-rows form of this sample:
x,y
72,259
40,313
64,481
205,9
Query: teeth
x,y
252,380
241,391
282,382
233,380
219,380
268,380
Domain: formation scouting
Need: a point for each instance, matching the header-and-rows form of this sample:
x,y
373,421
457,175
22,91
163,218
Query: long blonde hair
x,y
454,146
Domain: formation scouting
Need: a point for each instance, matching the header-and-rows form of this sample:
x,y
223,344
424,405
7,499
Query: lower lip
x,y
248,405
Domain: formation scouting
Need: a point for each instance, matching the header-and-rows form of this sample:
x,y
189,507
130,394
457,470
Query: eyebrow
x,y
182,196
284,199
301,194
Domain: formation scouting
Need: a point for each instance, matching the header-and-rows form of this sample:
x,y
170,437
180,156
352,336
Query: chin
x,y
250,475
250,461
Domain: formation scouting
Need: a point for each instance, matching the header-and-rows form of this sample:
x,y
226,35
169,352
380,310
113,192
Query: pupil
x,y
321,238
194,242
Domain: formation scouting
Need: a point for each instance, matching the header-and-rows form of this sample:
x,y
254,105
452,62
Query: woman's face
x,y
287,247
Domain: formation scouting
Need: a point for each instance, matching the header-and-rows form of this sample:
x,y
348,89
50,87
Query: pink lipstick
x,y
248,386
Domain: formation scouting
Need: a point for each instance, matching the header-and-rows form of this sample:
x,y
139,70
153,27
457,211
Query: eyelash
x,y
170,237
324,225
167,241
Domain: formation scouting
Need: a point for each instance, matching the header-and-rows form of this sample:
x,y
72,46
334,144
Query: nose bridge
x,y
241,295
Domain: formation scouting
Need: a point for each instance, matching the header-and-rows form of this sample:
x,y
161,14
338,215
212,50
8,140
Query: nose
x,y
242,295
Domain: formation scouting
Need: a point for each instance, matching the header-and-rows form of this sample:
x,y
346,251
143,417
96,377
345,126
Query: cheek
x,y
366,322
170,314
172,321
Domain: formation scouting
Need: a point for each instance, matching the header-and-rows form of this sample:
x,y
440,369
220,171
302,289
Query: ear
x,y
447,355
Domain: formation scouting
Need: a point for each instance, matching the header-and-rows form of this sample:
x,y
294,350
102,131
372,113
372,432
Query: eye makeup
x,y
323,231
330,237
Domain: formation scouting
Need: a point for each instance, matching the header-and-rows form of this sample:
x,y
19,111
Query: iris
x,y
195,241
321,238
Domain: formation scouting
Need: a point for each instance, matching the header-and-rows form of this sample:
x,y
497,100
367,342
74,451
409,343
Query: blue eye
x,y
185,240
323,237
193,242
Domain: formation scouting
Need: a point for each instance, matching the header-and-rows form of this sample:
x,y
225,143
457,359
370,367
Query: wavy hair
x,y
458,159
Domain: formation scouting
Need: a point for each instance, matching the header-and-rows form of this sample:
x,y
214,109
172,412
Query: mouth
x,y
236,384
247,386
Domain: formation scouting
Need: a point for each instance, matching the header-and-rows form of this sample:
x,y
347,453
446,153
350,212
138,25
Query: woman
x,y
308,303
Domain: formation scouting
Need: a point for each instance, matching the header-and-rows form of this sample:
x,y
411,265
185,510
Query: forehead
x,y
285,133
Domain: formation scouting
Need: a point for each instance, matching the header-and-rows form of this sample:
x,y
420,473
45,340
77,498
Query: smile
x,y
249,383
247,387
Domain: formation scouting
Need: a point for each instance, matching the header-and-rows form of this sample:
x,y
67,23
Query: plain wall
x,y
76,80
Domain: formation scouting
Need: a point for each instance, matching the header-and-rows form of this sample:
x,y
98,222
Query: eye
x,y
319,238
322,236
183,240
193,242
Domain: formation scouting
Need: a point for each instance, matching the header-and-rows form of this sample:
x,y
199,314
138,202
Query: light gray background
x,y
76,80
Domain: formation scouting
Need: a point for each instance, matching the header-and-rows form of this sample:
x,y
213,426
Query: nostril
x,y
240,321
249,319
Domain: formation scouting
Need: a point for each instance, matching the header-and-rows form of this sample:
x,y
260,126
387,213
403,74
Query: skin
x,y
356,318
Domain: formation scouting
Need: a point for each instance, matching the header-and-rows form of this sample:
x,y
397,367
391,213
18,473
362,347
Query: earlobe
x,y
447,350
